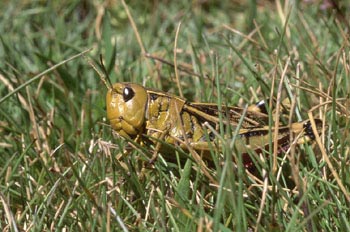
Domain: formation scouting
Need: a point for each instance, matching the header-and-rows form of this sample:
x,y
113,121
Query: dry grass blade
x,y
137,34
8,213
175,61
326,158
37,77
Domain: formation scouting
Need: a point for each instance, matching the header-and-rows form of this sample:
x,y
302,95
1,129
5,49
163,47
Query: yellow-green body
x,y
149,116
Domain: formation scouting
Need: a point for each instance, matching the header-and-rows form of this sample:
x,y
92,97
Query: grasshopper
x,y
149,116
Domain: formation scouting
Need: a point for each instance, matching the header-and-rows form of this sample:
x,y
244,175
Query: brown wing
x,y
207,112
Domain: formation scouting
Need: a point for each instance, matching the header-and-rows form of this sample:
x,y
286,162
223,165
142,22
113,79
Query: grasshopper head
x,y
126,108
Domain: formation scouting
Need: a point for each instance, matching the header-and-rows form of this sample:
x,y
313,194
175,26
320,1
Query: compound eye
x,y
128,93
262,106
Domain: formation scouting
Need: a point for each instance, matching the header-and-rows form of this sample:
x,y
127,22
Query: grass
x,y
61,167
